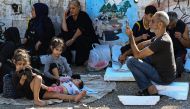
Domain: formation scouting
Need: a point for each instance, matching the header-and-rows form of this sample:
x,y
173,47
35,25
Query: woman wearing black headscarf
x,y
12,42
40,30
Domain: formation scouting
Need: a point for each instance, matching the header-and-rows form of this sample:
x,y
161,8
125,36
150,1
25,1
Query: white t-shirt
x,y
72,89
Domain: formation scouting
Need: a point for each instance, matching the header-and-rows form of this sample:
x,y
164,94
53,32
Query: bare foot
x,y
40,103
44,87
80,96
152,89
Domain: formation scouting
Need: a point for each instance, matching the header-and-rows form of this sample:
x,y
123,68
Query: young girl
x,y
55,64
31,86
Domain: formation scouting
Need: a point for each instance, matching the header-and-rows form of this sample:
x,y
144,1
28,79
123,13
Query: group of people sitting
x,y
16,58
156,51
157,42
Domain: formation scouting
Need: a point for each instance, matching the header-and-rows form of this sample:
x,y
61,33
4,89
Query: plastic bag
x,y
99,57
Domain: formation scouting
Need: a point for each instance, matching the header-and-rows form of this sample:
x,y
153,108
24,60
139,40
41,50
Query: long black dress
x,y
82,45
40,29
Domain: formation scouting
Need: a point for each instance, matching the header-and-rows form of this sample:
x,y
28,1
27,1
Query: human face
x,y
20,65
74,10
33,12
148,17
154,24
172,24
56,52
77,82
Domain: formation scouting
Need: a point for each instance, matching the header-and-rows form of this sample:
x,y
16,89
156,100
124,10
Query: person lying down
x,y
68,85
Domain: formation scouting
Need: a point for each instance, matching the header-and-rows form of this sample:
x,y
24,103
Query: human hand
x,y
23,77
64,79
122,59
58,82
69,42
129,32
24,40
76,92
145,36
66,13
37,45
178,35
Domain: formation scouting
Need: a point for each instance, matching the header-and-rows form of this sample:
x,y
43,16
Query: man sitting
x,y
159,63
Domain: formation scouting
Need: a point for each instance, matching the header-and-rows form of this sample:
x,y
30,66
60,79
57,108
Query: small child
x,y
56,65
68,86
30,85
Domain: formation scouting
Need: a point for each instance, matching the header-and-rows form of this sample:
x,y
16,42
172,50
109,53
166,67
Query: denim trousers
x,y
143,72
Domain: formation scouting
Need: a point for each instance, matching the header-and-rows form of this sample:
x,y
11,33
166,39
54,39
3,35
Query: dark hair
x,y
81,84
172,16
150,9
28,72
76,76
12,34
56,42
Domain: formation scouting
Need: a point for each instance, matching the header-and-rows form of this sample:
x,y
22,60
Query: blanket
x,y
95,86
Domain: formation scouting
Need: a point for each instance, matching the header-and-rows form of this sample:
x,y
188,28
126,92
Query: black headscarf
x,y
12,34
41,10
36,24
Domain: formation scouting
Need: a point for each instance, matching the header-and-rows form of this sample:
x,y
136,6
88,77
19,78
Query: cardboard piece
x,y
114,75
138,100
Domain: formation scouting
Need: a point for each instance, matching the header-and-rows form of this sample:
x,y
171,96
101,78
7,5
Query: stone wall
x,y
181,7
56,7
22,15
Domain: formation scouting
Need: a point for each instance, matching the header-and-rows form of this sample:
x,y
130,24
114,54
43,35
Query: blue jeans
x,y
143,72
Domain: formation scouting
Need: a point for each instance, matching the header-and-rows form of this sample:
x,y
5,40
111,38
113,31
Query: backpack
x,y
8,89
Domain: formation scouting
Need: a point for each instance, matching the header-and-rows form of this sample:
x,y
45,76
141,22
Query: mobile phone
x,y
68,12
127,23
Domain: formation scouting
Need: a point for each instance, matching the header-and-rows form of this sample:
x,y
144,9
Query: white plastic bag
x,y
99,56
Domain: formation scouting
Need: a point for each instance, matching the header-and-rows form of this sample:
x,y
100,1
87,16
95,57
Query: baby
x,y
68,85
